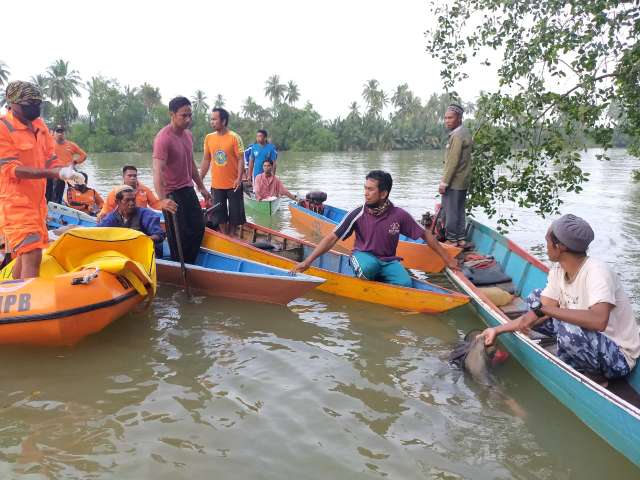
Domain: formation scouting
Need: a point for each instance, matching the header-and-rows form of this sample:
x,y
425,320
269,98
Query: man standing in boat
x,y
174,173
378,225
261,151
583,306
456,175
27,159
68,153
267,185
225,148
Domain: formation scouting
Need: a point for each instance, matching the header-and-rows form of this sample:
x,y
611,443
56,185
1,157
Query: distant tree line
x,y
125,118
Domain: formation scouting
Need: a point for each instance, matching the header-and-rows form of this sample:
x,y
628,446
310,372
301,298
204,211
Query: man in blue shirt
x,y
128,215
261,151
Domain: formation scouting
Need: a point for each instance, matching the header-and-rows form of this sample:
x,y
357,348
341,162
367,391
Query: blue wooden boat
x,y
613,412
62,216
222,275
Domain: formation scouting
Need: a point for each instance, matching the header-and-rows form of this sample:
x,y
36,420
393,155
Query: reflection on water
x,y
326,388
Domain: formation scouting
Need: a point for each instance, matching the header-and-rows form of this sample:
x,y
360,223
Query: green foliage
x,y
561,66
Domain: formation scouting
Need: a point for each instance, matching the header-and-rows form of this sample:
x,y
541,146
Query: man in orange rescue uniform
x,y
27,159
68,153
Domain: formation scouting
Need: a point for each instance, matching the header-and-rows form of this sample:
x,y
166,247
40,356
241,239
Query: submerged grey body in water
x,y
471,355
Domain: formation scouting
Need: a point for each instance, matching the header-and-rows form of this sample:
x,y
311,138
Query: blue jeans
x,y
368,266
587,351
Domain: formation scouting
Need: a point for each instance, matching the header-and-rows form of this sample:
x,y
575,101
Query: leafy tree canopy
x,y
562,66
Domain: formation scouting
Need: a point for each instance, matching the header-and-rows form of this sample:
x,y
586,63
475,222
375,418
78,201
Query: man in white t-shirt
x,y
583,304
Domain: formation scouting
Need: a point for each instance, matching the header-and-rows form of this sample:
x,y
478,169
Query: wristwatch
x,y
536,307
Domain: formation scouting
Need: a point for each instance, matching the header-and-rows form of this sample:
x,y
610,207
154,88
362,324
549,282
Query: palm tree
x,y
63,82
354,110
375,98
250,108
150,96
401,96
42,83
219,103
199,102
4,73
274,89
292,94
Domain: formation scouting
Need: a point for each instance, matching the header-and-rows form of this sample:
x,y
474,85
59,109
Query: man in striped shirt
x,y
378,225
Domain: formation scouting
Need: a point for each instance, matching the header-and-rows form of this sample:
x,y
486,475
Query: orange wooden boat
x,y
285,251
415,253
89,277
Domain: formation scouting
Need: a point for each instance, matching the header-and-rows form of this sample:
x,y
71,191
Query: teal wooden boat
x,y
261,207
613,412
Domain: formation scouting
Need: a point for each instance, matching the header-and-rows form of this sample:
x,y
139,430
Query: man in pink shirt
x,y
267,185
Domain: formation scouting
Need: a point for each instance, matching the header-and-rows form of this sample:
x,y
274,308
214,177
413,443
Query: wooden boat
x,y
613,412
265,207
89,277
415,253
62,216
223,275
334,267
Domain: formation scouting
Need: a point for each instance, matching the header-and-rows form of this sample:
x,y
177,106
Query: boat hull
x,y
402,298
414,255
611,417
260,283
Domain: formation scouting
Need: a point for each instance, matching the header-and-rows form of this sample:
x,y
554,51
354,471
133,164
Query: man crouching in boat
x,y
27,160
583,305
378,225
128,215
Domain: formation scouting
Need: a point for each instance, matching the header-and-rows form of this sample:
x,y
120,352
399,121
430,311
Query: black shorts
x,y
231,208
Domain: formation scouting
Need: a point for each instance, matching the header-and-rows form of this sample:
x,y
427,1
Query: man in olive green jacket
x,y
456,176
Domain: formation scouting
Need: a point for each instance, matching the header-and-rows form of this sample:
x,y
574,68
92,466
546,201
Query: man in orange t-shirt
x,y
225,147
68,153
27,158
145,197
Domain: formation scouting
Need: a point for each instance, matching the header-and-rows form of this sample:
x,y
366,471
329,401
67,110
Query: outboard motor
x,y
314,201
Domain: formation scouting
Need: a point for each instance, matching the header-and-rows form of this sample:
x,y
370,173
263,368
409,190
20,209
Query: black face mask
x,y
30,112
82,188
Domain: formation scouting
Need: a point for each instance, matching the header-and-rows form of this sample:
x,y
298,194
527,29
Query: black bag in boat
x,y
486,276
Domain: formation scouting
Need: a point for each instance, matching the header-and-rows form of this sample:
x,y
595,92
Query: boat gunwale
x,y
448,293
300,277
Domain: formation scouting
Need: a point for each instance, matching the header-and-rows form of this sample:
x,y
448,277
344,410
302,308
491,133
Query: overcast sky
x,y
329,48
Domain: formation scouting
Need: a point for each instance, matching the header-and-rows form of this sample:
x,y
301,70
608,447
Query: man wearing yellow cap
x,y
27,159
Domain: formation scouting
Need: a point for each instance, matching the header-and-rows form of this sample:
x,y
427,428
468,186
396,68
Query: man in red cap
x,y
27,159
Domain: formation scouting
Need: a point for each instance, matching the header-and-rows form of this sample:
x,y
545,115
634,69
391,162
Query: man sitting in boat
x,y
378,225
145,197
267,186
583,305
128,215
83,198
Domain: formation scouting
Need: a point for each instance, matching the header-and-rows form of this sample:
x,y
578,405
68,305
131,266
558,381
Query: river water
x,y
326,388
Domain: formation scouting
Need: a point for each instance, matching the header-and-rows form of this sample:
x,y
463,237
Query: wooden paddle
x,y
183,267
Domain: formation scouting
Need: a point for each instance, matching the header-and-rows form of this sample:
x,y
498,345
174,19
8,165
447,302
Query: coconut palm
x,y
63,82
354,110
292,94
42,83
199,102
274,90
150,96
4,73
374,97
219,103
250,108
400,97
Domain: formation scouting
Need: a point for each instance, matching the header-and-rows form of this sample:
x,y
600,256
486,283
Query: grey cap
x,y
573,232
